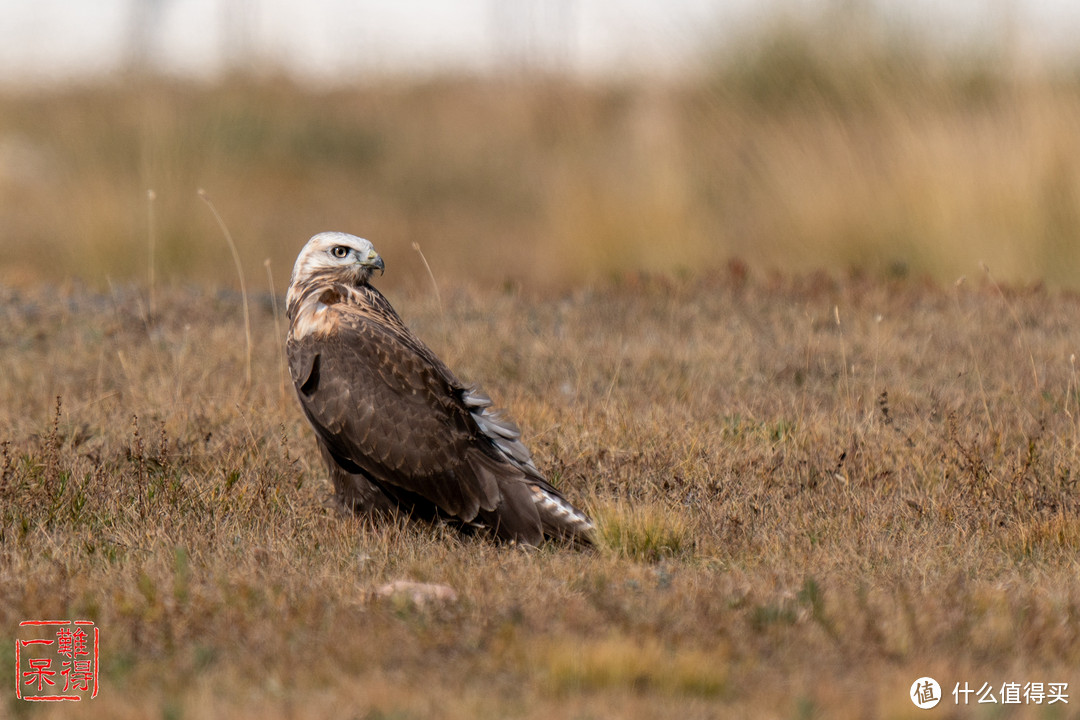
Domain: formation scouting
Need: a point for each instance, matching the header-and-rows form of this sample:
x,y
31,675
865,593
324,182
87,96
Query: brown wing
x,y
383,408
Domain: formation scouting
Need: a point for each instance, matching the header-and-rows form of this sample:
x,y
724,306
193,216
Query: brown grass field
x,y
820,471
810,493
798,152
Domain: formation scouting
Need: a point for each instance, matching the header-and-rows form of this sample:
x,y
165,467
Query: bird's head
x,y
346,258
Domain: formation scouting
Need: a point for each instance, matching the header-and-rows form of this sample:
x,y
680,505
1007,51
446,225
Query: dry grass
x,y
799,518
804,148
810,491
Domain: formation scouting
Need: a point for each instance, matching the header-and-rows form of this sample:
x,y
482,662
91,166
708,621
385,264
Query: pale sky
x,y
332,40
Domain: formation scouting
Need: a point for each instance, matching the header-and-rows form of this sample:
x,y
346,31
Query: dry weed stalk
x,y
243,286
151,226
277,330
434,285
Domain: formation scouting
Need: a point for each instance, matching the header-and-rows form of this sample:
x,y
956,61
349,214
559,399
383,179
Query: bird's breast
x,y
313,318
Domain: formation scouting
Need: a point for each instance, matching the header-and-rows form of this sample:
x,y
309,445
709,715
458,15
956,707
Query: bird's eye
x,y
339,251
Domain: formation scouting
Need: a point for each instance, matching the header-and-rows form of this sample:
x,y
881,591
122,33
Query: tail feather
x,y
561,519
503,432
516,518
530,507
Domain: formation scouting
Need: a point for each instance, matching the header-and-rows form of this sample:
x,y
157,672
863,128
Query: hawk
x,y
395,426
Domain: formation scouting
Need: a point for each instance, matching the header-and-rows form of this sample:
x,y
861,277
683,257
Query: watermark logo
x,y
56,660
925,693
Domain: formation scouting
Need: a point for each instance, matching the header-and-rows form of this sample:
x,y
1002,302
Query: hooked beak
x,y
375,261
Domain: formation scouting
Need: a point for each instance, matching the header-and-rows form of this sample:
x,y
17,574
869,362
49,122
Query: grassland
x,y
811,491
812,487
800,150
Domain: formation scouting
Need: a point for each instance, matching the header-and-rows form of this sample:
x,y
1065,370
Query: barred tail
x,y
561,519
526,494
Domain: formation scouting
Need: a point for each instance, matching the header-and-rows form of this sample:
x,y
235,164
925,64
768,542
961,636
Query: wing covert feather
x,y
385,407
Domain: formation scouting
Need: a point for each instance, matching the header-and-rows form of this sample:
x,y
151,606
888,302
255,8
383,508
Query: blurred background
x,y
540,142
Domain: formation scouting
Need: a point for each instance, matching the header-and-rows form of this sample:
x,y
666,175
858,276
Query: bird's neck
x,y
309,289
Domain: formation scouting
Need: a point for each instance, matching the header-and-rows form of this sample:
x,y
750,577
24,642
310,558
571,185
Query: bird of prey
x,y
397,429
